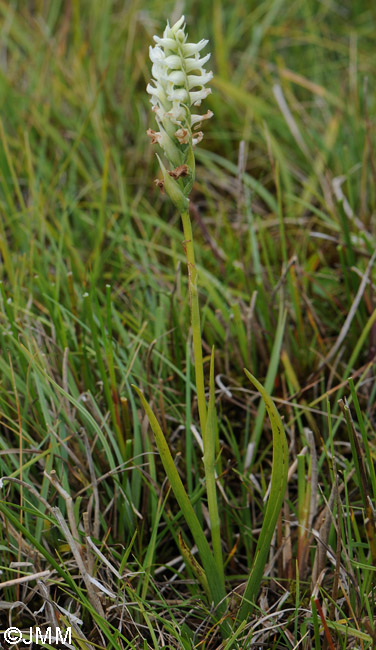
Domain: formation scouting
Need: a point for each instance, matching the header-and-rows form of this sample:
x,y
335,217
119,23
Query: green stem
x,y
195,316
207,417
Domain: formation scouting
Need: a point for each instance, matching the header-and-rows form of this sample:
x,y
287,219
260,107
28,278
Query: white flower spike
x,y
178,84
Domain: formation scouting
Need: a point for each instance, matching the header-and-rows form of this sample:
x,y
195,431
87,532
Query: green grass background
x,y
94,298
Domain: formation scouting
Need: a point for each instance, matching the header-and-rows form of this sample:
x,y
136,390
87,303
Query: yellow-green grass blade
x,y
209,465
270,377
277,491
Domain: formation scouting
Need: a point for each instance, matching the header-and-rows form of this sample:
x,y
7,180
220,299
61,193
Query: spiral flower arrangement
x,y
177,88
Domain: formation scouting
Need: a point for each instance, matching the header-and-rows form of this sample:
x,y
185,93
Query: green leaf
x,y
277,492
215,584
173,189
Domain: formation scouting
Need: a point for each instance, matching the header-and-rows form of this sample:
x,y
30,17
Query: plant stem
x,y
195,318
207,417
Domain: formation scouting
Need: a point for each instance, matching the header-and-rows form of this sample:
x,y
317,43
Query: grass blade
x,y
209,465
270,377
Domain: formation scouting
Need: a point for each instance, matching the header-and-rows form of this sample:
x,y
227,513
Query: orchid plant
x,y
178,87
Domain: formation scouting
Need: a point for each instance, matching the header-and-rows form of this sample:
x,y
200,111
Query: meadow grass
x,y
94,299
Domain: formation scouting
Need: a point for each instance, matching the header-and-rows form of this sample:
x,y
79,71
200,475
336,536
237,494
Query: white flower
x,y
178,83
